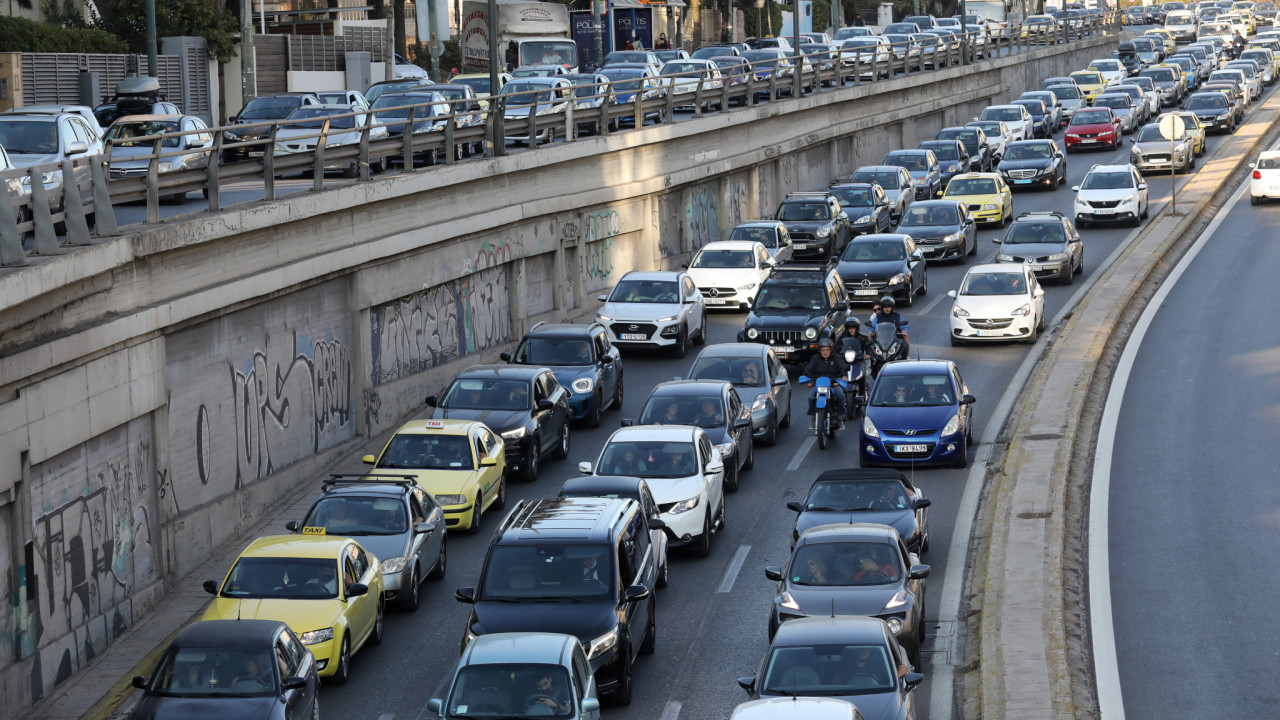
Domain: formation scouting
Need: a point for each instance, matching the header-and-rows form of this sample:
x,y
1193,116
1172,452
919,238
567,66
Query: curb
x,y
1026,587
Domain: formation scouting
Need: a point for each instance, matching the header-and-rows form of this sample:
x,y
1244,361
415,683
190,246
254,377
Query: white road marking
x,y
1101,619
386,716
929,308
671,711
803,450
735,566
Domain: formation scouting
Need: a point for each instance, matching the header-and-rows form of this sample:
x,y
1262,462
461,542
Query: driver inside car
x,y
548,696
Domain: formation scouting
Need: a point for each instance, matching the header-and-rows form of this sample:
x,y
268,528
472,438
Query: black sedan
x,y
853,569
975,141
953,157
943,229
1214,110
887,264
851,658
881,496
526,405
1034,163
714,406
867,207
760,379
231,669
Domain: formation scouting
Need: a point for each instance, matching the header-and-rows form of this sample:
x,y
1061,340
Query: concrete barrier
x,y
160,389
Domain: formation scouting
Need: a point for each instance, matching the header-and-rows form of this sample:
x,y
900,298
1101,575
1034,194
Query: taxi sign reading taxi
x,y
310,530
435,424
1172,127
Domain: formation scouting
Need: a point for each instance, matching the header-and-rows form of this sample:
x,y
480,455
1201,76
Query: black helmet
x,y
825,343
852,324
887,302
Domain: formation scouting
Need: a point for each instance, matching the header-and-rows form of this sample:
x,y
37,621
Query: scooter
x,y
856,379
826,424
886,346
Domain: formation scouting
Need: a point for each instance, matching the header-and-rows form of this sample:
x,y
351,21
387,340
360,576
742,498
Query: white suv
x,y
43,138
654,309
1111,193
729,273
1265,183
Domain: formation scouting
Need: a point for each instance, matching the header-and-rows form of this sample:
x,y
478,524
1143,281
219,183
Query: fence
x,y
326,52
54,78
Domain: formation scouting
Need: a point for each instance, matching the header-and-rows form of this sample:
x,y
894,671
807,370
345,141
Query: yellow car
x,y
327,588
1170,44
986,194
1091,83
1194,129
462,463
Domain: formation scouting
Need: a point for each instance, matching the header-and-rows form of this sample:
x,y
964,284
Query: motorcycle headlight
x,y
165,167
316,636
393,565
898,279
583,385
514,434
1004,258
810,333
1057,256
824,232
752,333
748,286
760,403
850,356
959,312
787,601
449,500
952,427
1022,311
685,506
990,206
869,428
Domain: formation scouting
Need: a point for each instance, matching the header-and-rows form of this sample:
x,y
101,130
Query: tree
x,y
125,19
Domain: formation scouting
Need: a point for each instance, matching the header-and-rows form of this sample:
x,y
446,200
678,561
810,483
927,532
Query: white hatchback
x,y
997,303
1265,184
729,273
1110,193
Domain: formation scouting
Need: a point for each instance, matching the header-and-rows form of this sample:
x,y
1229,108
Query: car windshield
x,y
761,58
1113,102
212,672
1160,75
1150,133
624,79
516,690
1107,181
624,56
999,283
913,390
1028,151
29,136
554,351
991,128
917,216
1004,114
683,68
269,108
945,151
910,161
352,515
1035,232
729,259
128,134
1090,78
745,371
767,236
526,90
854,196
487,394
971,186
479,84
549,52
829,670
706,411
428,452
553,571
1091,117
710,51
844,564
791,297
855,43
874,251
401,105
804,211
279,577
646,291
313,119
886,179
857,497
1035,107
648,459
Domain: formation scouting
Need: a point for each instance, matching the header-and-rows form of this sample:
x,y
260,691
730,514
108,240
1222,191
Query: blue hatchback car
x,y
920,412
582,359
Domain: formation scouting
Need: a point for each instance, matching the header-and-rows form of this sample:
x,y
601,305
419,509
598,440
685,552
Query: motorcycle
x,y
856,378
886,346
826,424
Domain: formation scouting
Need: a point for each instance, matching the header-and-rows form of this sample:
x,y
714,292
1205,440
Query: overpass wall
x,y
159,389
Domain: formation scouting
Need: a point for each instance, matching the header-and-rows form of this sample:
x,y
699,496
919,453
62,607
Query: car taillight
x,y
1257,175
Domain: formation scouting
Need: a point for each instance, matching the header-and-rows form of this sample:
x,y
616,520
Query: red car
x,y
1093,127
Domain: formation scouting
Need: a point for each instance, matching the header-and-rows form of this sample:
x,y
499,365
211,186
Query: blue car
x,y
582,359
1039,117
920,412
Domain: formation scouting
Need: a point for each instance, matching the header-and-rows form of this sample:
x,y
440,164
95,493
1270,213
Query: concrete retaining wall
x,y
159,389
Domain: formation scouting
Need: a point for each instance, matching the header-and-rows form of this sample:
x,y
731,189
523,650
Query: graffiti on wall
x,y
90,550
736,193
490,255
602,226
670,223
702,215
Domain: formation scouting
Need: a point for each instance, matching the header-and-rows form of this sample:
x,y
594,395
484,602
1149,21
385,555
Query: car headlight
x,y
447,500
467,637
1080,202
898,279
514,434
1180,148
952,427
49,178
957,311
787,601
685,506
603,318
393,565
670,318
603,644
989,206
752,333
165,167
748,286
231,135
726,449
1004,258
1057,256
583,385
316,636
1130,198
898,600
760,403
869,428
1022,311
824,232
810,333
953,168
862,219
895,624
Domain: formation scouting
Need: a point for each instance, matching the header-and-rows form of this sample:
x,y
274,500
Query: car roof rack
x,y
1041,213
369,479
807,194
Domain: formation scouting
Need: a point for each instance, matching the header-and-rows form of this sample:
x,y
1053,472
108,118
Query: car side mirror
x,y
584,468
368,460
294,683
545,404
76,147
968,400
1075,188
606,359
773,572
488,461
233,118
749,683
781,379
968,221
742,422
1142,186
795,506
657,523
356,590
602,298
431,401
714,467
627,422
636,593
505,357
424,528
292,526
919,572
139,682
436,705
465,595
211,587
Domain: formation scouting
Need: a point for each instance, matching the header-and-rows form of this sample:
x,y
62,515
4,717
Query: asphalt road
x,y
712,618
1194,507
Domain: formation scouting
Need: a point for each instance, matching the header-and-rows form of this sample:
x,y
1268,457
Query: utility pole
x,y
597,20
151,38
248,63
798,65
434,47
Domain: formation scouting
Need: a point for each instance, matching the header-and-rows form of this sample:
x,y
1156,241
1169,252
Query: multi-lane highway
x,y
712,618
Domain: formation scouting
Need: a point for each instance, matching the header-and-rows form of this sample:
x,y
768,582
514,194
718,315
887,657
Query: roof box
x,y
138,86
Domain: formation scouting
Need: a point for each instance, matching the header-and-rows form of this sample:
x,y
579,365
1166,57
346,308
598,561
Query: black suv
x,y
580,566
260,110
819,229
798,305
975,141
526,405
866,204
582,358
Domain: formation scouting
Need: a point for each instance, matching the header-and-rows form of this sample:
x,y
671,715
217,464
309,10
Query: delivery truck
x,y
529,33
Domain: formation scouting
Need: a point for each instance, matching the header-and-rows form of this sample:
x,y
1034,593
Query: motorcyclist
x,y
885,312
1237,45
853,338
826,364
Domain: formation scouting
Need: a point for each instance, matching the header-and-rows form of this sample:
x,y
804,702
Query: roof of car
x,y
651,275
731,245
296,546
828,630
908,367
689,387
228,634
364,487
901,237
994,268
734,350
506,372
518,647
561,518
424,426
877,168
654,433
759,223
151,118
563,330
843,532
601,485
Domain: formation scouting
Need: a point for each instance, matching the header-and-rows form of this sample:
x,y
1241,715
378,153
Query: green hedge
x,y
21,35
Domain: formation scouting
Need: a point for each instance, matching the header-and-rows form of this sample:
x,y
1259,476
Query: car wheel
x,y
964,456
651,633
771,433
477,515
701,339
786,421
910,298
315,708
663,573
751,456
974,250
1253,199
924,286
1191,163
375,637
442,561
500,500
531,468
681,348
1031,338
731,476
955,342
562,449
622,695
410,602
617,397
924,546
593,418
1080,267
1070,277
703,546
343,673
1146,210
352,170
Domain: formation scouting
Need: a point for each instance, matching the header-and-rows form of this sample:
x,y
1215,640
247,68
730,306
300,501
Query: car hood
x,y
852,600
1153,146
638,312
1028,250
775,319
23,160
1092,128
669,490
384,547
985,306
586,621
498,421
566,374
749,393
1212,113
1028,164
878,706
152,707
919,417
930,232
904,521
1120,194
728,277
805,225
852,271
302,615
919,174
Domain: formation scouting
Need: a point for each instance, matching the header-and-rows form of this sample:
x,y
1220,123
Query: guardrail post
x,y
269,165
45,241
104,214
365,172
751,84
669,99
213,193
533,123
724,94
11,252
317,165
153,183
500,136
797,69
639,103
409,162
857,69
606,103
73,206
450,147
697,94
773,83
570,127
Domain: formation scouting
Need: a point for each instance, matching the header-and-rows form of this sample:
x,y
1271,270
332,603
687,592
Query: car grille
x,y
1040,260
1103,203
779,337
1022,174
851,287
974,208
806,237
990,323
717,292
911,455
629,328
910,433
127,172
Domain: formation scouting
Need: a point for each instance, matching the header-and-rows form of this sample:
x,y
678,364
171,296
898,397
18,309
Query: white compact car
x,y
997,303
729,273
1111,70
1265,183
998,135
657,309
1111,193
684,471
1017,117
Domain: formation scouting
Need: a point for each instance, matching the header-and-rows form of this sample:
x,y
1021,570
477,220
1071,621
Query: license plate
x,y
872,291
715,301
1021,182
1088,140
634,336
989,333
1100,211
911,448
784,349
799,246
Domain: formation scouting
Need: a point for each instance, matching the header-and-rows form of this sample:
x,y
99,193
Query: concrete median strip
x,y
1029,656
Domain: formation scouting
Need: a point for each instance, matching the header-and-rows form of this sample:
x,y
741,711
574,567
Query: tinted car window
x,y
548,570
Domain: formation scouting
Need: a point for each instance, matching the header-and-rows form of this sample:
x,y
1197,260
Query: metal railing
x,y
441,132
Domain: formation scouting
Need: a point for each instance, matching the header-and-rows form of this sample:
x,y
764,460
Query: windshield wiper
x,y
822,509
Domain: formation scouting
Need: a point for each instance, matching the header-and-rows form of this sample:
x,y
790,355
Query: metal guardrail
x,y
38,212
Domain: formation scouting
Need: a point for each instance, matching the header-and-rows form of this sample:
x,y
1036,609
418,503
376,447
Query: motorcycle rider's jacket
x,y
833,367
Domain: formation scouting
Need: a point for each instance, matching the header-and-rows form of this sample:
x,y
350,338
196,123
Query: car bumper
x,y
1019,329
933,251
934,450
581,404
663,335
1144,164
326,655
607,669
1049,180
1264,189
986,216
1119,214
686,527
1091,142
817,250
459,516
761,421
518,452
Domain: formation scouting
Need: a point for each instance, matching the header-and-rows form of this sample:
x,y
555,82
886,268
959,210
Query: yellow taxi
x,y
1091,83
462,463
327,588
1170,44
986,194
1194,129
